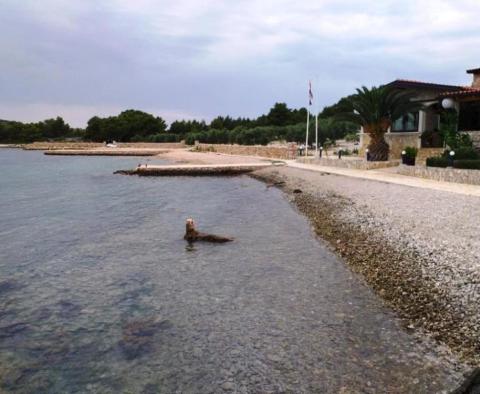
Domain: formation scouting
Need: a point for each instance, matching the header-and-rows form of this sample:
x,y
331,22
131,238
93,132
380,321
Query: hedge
x,y
467,164
437,162
464,153
462,164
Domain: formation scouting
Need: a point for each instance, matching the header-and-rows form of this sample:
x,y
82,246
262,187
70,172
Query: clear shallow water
x,y
99,293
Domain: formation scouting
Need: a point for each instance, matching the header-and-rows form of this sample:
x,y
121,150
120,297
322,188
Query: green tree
x,y
279,115
375,110
54,128
125,126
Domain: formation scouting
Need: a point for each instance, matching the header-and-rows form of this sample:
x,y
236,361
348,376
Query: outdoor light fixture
x,y
448,103
450,159
403,153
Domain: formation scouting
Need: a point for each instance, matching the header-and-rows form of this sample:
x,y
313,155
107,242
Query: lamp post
x,y
451,157
367,153
320,152
450,104
403,157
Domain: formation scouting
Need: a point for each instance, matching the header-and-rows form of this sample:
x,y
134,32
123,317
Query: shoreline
x,y
398,273
430,281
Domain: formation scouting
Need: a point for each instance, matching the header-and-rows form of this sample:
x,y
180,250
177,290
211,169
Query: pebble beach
x,y
417,248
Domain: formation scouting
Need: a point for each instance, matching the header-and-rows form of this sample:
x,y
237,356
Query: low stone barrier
x,y
357,164
62,145
93,145
274,152
104,152
194,170
471,177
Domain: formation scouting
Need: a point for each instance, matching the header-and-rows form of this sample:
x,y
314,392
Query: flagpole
x,y
317,110
310,99
308,124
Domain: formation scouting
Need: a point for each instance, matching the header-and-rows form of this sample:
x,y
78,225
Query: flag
x,y
310,94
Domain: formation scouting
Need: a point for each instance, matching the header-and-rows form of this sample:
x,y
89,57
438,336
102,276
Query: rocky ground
x,y
417,248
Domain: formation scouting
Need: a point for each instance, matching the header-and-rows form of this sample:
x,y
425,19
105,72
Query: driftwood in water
x,y
192,235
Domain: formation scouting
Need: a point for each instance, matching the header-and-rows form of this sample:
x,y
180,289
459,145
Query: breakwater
x,y
194,169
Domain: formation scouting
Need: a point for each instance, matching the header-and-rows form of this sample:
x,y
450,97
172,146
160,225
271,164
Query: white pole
x,y
316,134
308,125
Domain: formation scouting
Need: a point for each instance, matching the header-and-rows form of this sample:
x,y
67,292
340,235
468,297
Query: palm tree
x,y
375,110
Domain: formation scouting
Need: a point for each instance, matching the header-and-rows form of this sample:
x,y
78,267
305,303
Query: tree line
x,y
49,129
280,123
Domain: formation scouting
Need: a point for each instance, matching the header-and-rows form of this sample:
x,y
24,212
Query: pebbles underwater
x,y
100,295
428,284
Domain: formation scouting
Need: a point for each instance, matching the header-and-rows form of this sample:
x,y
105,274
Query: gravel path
x,y
418,248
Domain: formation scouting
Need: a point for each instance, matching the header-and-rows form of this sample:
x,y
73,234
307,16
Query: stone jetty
x,y
105,152
196,169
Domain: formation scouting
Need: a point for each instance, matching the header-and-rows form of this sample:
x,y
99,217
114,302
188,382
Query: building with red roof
x,y
421,129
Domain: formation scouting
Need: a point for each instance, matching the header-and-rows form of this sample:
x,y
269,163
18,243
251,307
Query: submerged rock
x,y
7,286
137,336
68,309
13,330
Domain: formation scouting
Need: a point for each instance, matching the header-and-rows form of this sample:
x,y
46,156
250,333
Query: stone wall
x,y
457,175
396,141
93,145
357,164
475,137
273,152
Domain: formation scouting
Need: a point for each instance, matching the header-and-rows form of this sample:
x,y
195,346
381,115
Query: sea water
x,y
99,293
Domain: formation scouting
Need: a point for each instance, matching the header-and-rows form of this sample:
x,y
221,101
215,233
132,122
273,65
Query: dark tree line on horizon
x,y
280,123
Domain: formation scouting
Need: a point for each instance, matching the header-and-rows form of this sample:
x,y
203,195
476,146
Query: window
x,y
469,117
408,122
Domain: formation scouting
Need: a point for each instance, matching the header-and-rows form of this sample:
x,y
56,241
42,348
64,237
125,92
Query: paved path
x,y
389,177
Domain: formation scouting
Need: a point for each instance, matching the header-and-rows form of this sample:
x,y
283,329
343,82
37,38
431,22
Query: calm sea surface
x,y
99,293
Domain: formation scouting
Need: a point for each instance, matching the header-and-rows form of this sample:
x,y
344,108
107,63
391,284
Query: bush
x,y
437,162
467,164
352,137
190,138
159,137
411,152
464,153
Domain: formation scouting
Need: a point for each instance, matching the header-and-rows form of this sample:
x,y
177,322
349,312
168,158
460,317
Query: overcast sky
x,y
202,58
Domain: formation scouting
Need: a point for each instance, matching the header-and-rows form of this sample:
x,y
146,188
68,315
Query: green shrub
x,y
352,137
464,153
411,152
346,152
467,164
190,138
437,162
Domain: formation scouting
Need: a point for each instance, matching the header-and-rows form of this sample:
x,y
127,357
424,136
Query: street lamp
x,y
448,103
451,157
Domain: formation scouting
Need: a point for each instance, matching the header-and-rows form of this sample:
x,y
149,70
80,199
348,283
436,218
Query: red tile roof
x,y
408,83
468,91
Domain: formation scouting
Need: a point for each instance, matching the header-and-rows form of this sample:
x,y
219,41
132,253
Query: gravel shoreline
x,y
417,248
